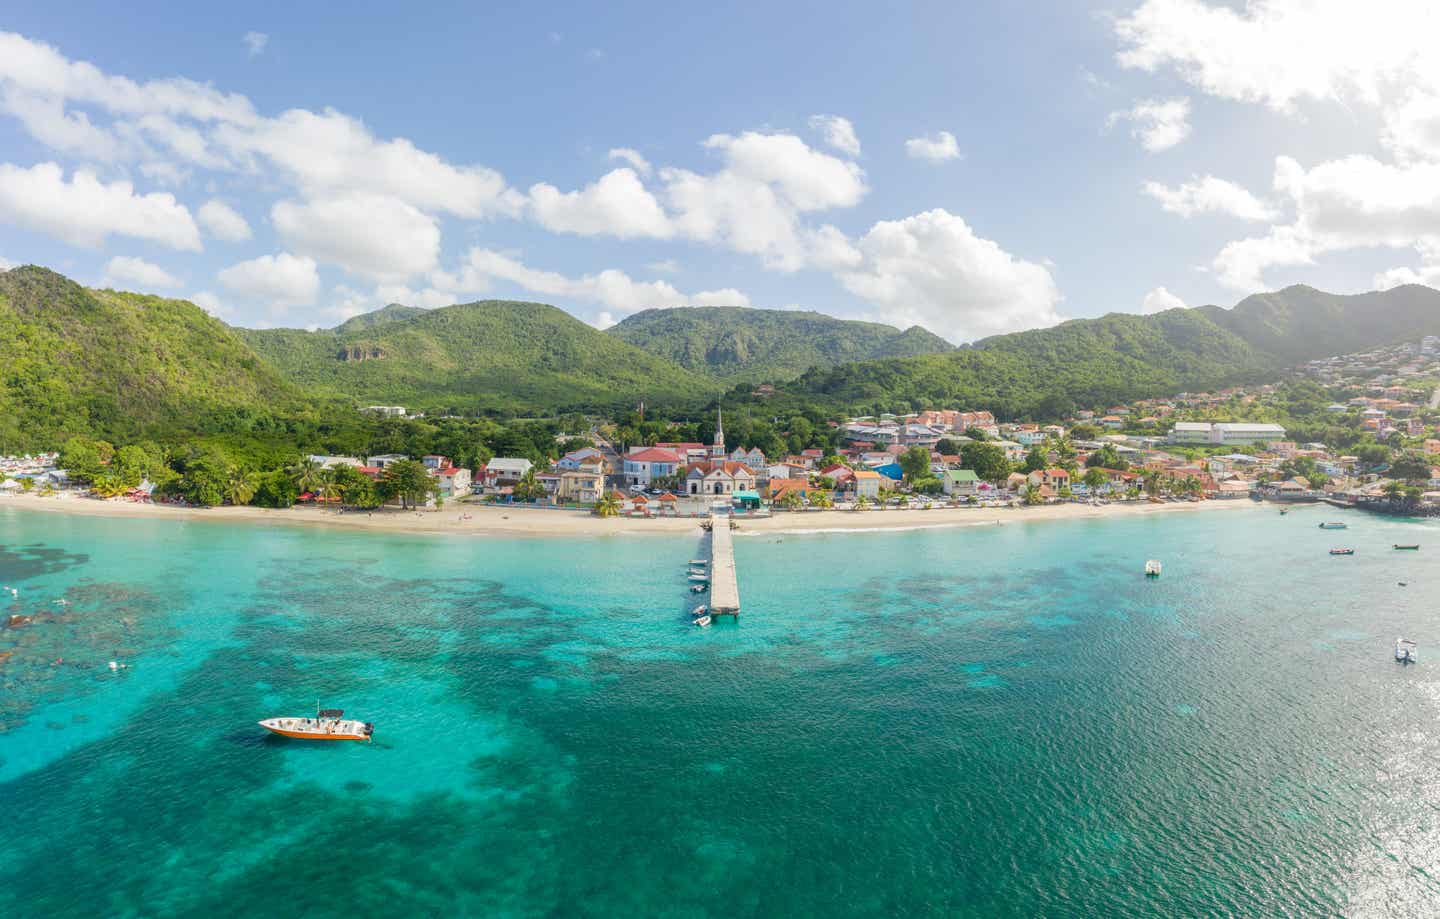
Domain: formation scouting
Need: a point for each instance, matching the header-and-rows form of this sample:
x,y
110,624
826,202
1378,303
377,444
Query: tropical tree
x,y
1031,495
305,473
861,502
1035,460
528,488
988,460
240,486
1094,478
822,499
27,485
608,506
790,500
409,481
915,462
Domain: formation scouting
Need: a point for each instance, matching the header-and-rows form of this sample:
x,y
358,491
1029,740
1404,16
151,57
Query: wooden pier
x,y
724,591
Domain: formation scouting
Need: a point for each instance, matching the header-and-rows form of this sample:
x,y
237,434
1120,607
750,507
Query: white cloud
x,y
932,270
1158,124
223,221
633,157
613,289
85,211
255,43
838,132
331,152
665,266
1277,52
1159,300
123,269
1209,195
210,303
6,264
280,280
374,236
937,148
618,204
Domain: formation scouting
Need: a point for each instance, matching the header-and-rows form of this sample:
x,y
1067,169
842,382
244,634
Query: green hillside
x,y
494,355
1090,363
122,365
392,312
751,345
1301,323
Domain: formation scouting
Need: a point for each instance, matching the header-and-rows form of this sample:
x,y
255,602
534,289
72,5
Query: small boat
x,y
1332,525
1152,568
1411,546
698,588
698,611
699,562
1342,551
328,724
702,621
700,571
700,577
1284,511
1405,651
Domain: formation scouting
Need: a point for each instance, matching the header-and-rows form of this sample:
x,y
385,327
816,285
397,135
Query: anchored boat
x,y
1411,546
1405,651
1152,568
328,724
1342,551
1332,525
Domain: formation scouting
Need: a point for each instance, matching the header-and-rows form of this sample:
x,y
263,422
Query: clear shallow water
x,y
987,721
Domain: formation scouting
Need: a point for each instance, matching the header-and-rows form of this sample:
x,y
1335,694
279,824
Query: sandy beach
x,y
511,522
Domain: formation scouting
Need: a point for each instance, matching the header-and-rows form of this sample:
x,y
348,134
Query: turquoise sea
x,y
990,721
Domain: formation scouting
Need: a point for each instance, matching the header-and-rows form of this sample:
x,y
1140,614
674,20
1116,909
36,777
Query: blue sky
x,y
286,165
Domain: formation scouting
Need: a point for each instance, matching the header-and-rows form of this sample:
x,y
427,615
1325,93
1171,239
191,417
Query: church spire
x,y
718,449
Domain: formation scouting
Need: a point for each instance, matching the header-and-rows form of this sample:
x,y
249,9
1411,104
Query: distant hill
x,y
741,344
393,312
1301,323
492,355
120,365
1090,363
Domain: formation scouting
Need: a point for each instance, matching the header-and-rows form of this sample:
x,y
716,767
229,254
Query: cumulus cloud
x,y
210,303
933,270
123,269
223,221
618,204
838,132
84,211
1159,300
613,289
282,280
6,264
1282,55
375,236
255,43
1209,195
1158,124
936,148
633,157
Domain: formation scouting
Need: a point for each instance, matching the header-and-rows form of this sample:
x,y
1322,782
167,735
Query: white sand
x,y
524,521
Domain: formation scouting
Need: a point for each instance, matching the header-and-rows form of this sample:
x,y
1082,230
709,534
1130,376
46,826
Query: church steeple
x,y
717,450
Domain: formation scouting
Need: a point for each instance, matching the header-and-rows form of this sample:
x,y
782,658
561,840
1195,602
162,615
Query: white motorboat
x,y
700,577
1405,651
1152,568
702,621
699,562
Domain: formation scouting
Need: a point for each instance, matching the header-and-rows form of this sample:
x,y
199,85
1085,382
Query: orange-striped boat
x,y
328,724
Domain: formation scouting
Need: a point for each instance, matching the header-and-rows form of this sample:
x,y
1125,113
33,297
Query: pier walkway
x,y
724,591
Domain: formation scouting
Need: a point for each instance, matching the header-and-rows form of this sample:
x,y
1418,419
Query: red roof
x,y
668,497
654,455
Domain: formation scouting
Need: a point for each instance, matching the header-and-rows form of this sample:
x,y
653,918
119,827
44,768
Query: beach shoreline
x,y
516,522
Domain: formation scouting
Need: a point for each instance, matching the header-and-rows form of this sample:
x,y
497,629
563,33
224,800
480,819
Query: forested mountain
x,y
1301,323
74,360
1089,363
739,344
493,355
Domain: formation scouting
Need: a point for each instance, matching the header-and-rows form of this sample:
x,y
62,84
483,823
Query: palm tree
x,y
861,502
329,485
821,499
1032,495
608,505
306,474
240,486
